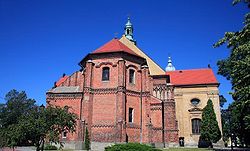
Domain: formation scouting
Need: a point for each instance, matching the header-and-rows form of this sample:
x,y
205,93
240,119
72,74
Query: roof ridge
x,y
154,68
114,45
192,69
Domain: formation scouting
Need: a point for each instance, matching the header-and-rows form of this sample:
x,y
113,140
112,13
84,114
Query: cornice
x,y
64,95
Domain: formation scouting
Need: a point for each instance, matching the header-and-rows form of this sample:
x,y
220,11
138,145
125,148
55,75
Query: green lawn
x,y
187,149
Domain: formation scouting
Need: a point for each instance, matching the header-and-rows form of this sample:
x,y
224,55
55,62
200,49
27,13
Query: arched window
x,y
132,76
105,74
154,93
196,125
195,101
127,31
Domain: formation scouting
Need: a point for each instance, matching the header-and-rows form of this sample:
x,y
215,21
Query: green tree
x,y
222,100
237,124
226,121
47,123
22,122
236,68
17,105
87,141
210,130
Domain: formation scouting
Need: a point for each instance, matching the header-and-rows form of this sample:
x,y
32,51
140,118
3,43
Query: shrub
x,y
204,143
87,141
50,147
130,147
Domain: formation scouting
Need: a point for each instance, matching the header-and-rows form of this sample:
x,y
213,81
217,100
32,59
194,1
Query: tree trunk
x,y
42,144
37,146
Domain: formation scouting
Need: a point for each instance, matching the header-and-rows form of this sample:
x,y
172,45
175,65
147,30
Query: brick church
x,y
121,95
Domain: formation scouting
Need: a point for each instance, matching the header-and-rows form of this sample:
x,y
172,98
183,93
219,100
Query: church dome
x,y
128,23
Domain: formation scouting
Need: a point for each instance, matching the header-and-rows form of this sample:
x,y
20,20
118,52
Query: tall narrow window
x,y
196,125
105,74
64,134
130,115
127,31
132,76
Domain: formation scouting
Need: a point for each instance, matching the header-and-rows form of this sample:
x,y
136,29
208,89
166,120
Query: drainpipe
x,y
163,125
82,131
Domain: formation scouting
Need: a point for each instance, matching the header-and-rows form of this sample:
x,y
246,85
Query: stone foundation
x,y
98,146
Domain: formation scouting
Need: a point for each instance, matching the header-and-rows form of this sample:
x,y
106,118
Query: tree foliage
x,y
48,123
233,123
210,130
17,106
236,68
222,100
22,122
226,125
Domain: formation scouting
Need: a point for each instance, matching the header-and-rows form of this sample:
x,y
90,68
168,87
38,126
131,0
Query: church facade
x,y
121,95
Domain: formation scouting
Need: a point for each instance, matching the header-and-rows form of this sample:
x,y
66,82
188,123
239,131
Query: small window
x,y
132,76
64,134
195,102
130,115
105,74
196,125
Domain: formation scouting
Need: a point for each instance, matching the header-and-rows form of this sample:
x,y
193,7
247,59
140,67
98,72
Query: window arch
x,y
196,125
105,74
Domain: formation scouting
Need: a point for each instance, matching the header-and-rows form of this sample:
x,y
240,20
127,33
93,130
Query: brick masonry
x,y
103,106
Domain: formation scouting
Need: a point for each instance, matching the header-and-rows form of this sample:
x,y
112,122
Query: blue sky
x,y
42,39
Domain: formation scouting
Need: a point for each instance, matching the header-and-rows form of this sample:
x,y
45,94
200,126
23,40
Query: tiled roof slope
x,y
192,77
61,80
154,69
114,46
65,89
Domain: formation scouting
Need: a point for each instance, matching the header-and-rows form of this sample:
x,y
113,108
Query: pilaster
x,y
170,122
121,102
88,95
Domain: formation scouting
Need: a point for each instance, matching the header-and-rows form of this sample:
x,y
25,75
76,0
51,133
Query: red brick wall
x,y
97,73
104,109
105,104
134,102
76,79
136,68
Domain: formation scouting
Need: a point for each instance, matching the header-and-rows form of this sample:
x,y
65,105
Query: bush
x,y
87,140
204,143
50,147
130,147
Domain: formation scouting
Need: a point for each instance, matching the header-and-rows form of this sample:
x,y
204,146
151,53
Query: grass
x,y
187,149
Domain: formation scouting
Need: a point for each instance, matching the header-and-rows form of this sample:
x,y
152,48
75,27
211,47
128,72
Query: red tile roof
x,y
114,46
191,77
61,80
